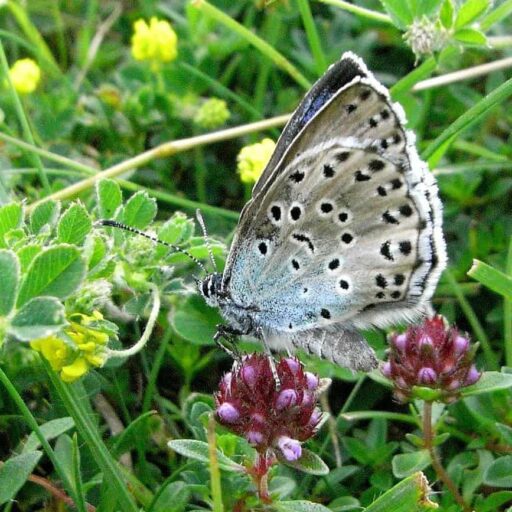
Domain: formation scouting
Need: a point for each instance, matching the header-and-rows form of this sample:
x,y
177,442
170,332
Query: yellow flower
x,y
212,113
83,348
156,42
253,159
25,75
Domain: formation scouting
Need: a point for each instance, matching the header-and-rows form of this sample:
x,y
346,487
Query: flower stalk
x,y
428,438
147,331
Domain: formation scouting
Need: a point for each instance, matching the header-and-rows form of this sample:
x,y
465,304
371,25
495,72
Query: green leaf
x,y
470,11
470,36
14,473
199,450
74,225
488,382
57,271
421,8
309,463
409,495
38,318
44,214
50,430
176,493
178,229
109,197
299,506
10,276
491,277
446,14
26,254
399,12
139,211
127,439
11,217
195,321
499,473
494,501
406,464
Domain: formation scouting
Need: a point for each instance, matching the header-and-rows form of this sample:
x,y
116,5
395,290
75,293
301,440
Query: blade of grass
x,y
20,14
405,84
32,423
496,15
271,53
507,313
312,35
359,11
490,357
72,396
22,118
493,278
470,117
370,415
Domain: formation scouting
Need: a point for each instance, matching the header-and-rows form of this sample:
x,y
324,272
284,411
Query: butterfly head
x,y
211,288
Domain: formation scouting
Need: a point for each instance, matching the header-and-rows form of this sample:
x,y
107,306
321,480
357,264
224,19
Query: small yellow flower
x,y
212,113
83,349
156,42
25,75
253,159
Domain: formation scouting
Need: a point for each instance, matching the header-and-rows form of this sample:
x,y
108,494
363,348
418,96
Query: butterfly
x,y
343,231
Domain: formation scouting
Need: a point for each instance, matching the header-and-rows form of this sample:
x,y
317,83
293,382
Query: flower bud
x,y
472,376
427,376
254,437
293,364
228,413
290,448
312,381
460,344
286,398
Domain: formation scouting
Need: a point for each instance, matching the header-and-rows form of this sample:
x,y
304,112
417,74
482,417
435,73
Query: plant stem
x,y
218,506
147,331
507,312
163,150
428,436
88,432
360,11
22,118
155,369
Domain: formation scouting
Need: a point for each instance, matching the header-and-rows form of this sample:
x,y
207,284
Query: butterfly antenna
x,y
119,225
200,220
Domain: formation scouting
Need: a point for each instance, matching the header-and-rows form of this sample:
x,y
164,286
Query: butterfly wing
x,y
344,228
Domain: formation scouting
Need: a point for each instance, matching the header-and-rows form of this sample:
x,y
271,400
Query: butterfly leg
x,y
229,334
270,359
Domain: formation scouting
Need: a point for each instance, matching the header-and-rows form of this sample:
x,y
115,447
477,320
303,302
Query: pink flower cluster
x,y
431,355
270,415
